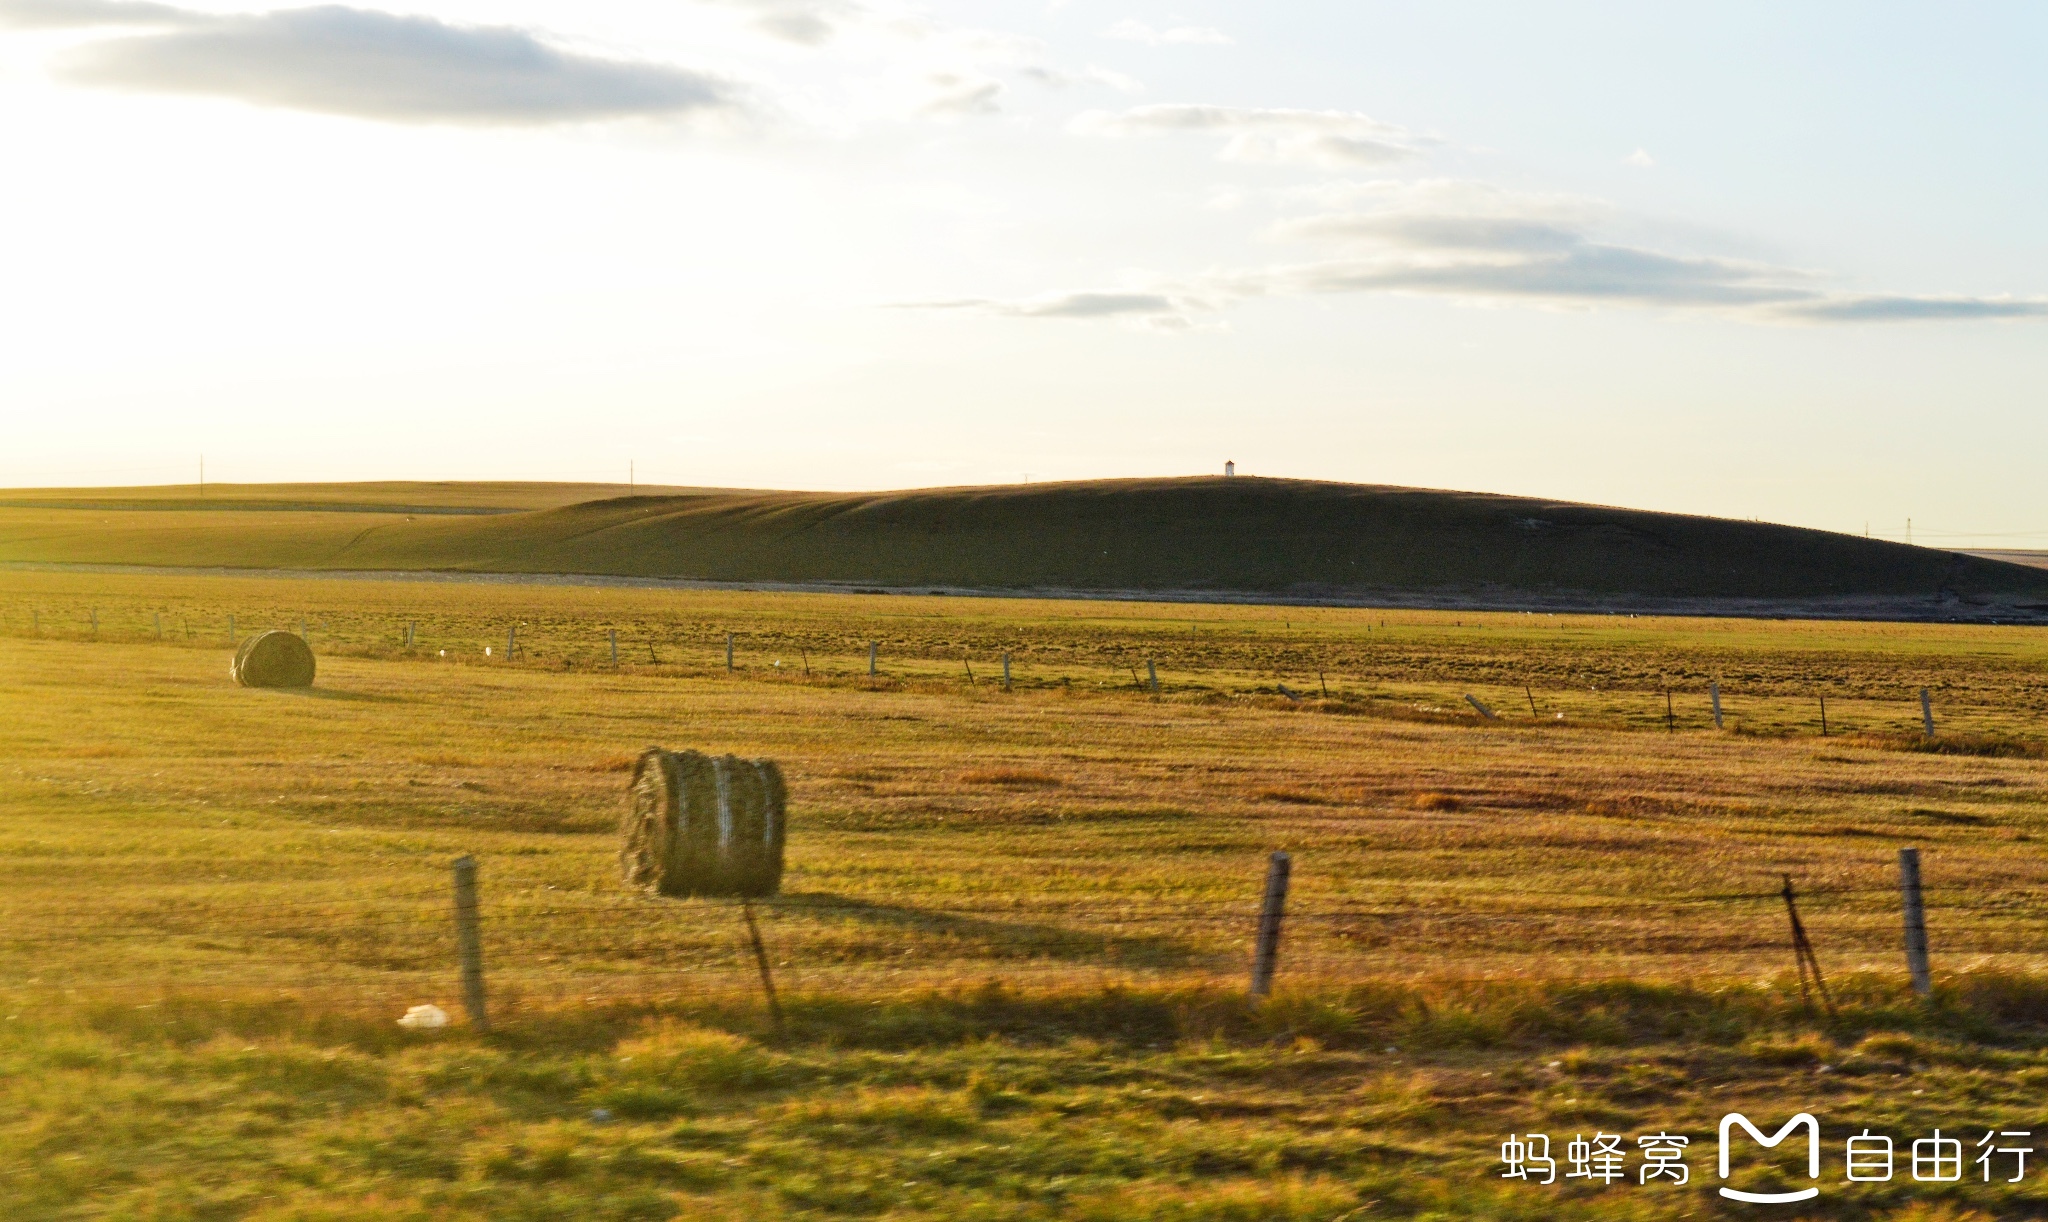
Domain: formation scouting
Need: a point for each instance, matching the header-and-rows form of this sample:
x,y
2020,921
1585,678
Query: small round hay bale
x,y
273,659
704,825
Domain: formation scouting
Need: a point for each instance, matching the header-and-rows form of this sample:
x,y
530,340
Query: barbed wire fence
x,y
625,945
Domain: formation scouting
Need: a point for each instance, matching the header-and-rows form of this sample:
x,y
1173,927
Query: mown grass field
x,y
1015,926
1307,539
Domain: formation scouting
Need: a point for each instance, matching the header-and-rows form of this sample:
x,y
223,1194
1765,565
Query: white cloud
x,y
954,94
1640,159
373,65
1331,138
1132,30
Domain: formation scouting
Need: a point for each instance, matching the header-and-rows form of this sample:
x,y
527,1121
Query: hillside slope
x,y
1244,535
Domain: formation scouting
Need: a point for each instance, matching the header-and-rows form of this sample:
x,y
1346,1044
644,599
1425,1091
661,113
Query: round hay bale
x,y
704,825
273,659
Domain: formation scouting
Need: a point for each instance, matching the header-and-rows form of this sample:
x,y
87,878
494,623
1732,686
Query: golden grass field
x,y
1015,925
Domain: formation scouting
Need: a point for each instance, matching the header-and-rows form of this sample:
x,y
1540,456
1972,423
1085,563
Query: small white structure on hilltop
x,y
1229,468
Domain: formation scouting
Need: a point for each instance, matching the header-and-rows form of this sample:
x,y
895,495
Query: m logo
x,y
1812,1157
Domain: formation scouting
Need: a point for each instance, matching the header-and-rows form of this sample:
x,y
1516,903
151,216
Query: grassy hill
x,y
1259,536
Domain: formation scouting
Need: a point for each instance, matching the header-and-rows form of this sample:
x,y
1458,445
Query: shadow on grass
x,y
329,693
1010,939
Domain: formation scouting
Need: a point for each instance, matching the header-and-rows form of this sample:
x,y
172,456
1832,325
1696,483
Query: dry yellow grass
x,y
214,901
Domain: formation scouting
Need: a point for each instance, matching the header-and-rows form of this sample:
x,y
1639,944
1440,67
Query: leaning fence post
x,y
469,941
1916,921
1927,712
1153,673
871,656
1266,951
1714,690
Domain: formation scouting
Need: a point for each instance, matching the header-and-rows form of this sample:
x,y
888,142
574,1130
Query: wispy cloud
x,y
808,23
346,61
1092,75
1132,30
1476,242
85,14
1158,310
1333,138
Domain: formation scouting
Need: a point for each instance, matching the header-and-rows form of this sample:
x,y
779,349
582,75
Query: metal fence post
x,y
1916,921
1266,951
469,941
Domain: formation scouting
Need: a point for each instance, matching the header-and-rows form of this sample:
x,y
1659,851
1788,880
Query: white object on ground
x,y
424,1018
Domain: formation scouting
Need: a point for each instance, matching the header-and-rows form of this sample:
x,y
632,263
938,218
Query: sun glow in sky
x,y
1751,260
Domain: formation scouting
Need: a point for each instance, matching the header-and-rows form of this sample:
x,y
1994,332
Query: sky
x,y
1742,259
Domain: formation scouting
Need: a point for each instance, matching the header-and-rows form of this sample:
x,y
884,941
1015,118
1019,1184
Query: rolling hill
x,y
1208,536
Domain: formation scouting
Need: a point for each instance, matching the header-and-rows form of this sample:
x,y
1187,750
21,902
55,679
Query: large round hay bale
x,y
704,825
273,659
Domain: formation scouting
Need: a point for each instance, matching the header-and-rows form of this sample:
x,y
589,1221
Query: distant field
x,y
1191,538
1016,924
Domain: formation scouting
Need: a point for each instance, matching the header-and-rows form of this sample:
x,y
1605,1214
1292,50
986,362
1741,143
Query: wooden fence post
x,y
1483,710
1714,690
231,629
1266,950
1006,672
615,646
728,652
512,643
1152,672
411,627
1927,712
871,656
1916,921
1823,716
302,629
159,617
1670,715
469,941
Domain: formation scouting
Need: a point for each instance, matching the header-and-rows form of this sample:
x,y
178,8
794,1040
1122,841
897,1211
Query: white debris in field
x,y
424,1018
